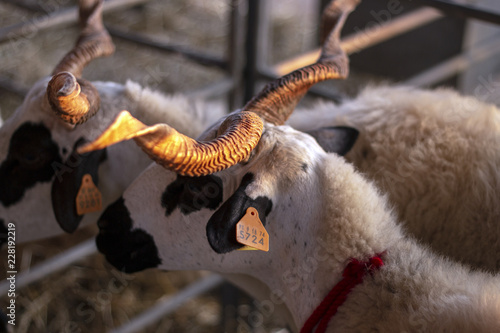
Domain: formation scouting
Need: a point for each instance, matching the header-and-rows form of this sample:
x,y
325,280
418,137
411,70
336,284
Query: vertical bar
x,y
250,70
236,52
264,35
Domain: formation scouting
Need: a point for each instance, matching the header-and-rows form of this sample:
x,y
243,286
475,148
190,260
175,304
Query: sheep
x,y
319,212
435,154
325,224
40,171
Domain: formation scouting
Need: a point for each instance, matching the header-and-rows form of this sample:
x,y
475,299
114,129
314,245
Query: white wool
x,y
435,153
323,213
175,110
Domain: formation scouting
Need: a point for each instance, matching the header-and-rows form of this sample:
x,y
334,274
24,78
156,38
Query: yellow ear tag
x,y
251,232
88,199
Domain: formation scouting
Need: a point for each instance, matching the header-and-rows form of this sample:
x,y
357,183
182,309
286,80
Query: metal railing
x,y
243,69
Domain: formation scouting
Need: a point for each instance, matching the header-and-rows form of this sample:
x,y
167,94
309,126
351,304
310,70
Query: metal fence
x,y
245,65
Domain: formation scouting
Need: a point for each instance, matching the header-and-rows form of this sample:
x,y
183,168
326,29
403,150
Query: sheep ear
x,y
339,139
221,228
68,180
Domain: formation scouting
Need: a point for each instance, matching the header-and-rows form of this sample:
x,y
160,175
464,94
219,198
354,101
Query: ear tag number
x,y
251,232
89,198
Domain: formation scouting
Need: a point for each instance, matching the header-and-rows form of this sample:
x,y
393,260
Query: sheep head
x,y
235,144
39,166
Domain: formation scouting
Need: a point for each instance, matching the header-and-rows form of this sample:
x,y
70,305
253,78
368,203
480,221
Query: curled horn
x,y
72,98
276,102
241,131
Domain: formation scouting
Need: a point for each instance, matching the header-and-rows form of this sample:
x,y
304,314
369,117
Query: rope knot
x,y
357,269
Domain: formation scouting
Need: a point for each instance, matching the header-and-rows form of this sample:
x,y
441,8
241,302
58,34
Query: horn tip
x,y
64,84
122,128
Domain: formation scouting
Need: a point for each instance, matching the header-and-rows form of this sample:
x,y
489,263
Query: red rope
x,y
353,275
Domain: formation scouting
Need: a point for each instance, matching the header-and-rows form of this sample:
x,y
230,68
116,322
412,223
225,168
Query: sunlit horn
x,y
240,134
276,102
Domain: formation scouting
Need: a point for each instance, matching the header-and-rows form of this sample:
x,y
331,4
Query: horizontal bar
x,y
176,49
169,304
457,64
64,16
8,85
51,265
366,38
214,89
24,5
462,10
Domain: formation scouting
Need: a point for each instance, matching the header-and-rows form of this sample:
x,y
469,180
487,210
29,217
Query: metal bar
x,y
355,43
264,34
8,85
51,265
250,70
456,64
169,304
366,38
24,5
466,11
236,53
65,16
212,90
176,49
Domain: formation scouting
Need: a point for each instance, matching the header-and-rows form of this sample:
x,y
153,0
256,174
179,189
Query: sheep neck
x,y
352,276
415,290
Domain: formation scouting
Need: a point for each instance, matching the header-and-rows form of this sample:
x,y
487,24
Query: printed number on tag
x,y
89,198
251,232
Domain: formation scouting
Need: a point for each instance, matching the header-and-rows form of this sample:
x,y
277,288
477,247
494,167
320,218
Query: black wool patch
x,y
221,228
29,160
68,181
192,194
128,250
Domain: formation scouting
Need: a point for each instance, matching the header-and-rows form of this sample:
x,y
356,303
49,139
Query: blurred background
x,y
222,50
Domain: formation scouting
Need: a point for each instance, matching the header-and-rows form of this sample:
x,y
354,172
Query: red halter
x,y
353,275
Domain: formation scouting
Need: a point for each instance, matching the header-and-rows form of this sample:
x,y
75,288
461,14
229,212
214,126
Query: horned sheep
x,y
40,171
326,224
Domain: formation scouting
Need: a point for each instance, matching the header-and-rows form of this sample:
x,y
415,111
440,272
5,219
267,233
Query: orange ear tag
x,y
88,199
251,232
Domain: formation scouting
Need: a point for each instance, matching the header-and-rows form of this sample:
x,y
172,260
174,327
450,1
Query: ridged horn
x,y
241,133
276,102
74,99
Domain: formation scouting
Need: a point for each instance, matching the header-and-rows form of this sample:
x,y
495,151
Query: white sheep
x,y
326,225
40,171
435,153
319,212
